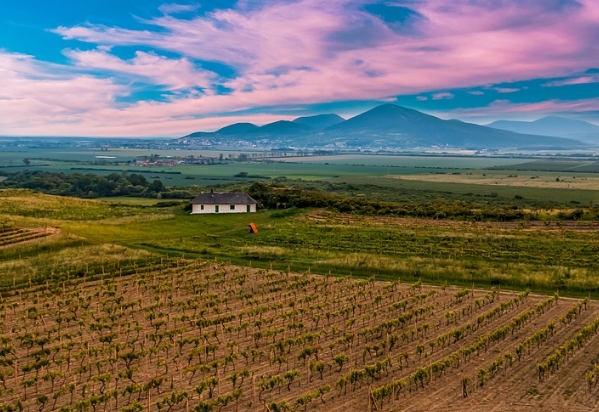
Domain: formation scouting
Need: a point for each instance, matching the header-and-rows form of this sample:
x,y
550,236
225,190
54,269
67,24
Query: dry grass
x,y
70,257
486,179
125,220
263,250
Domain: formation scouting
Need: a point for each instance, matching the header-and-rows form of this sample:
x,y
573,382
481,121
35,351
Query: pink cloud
x,y
174,73
303,52
572,81
502,109
35,95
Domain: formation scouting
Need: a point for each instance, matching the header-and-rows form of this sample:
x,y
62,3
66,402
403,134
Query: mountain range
x,y
553,126
384,127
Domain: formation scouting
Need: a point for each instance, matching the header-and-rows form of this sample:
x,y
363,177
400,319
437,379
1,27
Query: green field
x,y
69,264
375,176
544,256
570,166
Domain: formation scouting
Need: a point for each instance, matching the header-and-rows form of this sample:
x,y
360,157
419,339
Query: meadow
x,y
542,255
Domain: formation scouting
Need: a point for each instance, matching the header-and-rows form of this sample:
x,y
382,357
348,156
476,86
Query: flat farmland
x,y
423,177
195,335
432,161
554,180
565,166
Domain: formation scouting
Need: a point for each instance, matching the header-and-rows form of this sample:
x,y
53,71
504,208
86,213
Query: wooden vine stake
x,y
375,407
465,381
218,380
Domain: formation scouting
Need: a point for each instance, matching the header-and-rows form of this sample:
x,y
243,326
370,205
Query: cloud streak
x,y
500,109
172,73
174,8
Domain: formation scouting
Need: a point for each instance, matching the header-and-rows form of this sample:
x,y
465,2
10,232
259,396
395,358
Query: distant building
x,y
212,202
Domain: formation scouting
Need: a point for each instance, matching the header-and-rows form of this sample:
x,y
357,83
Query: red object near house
x,y
253,228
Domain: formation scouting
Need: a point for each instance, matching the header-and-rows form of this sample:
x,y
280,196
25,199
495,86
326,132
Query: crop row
x,y
196,335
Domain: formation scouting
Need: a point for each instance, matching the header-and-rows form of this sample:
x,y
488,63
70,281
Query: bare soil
x,y
107,344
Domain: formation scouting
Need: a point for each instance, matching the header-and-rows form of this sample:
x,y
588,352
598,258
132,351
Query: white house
x,y
212,202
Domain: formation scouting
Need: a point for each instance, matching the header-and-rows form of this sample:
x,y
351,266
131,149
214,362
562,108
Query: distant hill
x,y
410,128
386,126
552,126
282,127
321,121
237,128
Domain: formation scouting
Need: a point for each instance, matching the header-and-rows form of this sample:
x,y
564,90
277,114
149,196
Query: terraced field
x,y
17,236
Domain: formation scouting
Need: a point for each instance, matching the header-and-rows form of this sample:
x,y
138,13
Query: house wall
x,y
197,209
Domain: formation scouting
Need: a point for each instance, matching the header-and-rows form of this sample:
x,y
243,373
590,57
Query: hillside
x,y
386,127
321,121
552,126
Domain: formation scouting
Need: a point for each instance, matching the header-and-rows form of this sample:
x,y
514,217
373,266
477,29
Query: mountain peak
x,y
385,116
283,127
320,121
237,128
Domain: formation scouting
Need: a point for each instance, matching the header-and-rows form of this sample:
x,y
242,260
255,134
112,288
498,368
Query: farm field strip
x,y
205,336
499,179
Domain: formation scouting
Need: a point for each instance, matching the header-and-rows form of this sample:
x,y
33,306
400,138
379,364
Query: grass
x,y
567,166
389,188
413,163
549,180
544,257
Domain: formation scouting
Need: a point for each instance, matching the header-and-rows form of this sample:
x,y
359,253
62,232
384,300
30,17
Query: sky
x,y
150,68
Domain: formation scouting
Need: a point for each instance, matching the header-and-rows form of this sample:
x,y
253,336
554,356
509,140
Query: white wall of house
x,y
208,209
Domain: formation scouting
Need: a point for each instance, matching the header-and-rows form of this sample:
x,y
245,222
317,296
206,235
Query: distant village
x,y
155,160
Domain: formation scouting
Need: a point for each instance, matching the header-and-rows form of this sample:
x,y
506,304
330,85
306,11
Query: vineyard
x,y
192,335
11,236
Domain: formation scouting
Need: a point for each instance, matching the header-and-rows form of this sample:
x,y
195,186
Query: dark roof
x,y
235,198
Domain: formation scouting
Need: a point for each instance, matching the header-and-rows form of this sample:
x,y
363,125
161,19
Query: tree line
x,y
277,196
90,185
